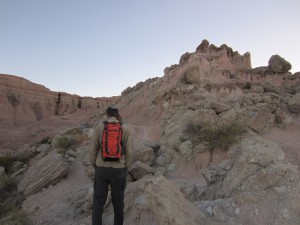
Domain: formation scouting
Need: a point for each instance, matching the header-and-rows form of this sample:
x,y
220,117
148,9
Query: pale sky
x,y
100,47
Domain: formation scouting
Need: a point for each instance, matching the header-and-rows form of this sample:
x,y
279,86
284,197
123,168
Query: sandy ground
x,y
289,139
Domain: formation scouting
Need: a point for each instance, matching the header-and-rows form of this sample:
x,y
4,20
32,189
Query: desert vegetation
x,y
6,161
69,139
217,135
10,199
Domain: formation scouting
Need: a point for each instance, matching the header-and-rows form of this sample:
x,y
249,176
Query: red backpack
x,y
112,146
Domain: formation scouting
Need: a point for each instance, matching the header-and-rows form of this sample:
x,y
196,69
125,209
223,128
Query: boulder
x,y
184,57
72,153
229,115
154,200
161,161
259,178
43,148
203,46
268,87
47,171
278,64
261,120
294,103
220,209
24,153
138,169
219,107
214,174
186,149
265,178
255,154
154,145
144,154
161,170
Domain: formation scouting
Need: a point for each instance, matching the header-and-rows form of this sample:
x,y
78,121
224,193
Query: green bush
x,y
217,135
63,142
6,162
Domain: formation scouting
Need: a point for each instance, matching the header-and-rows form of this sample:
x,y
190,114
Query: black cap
x,y
112,111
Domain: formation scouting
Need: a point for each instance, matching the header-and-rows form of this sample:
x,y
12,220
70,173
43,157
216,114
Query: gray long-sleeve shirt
x,y
95,151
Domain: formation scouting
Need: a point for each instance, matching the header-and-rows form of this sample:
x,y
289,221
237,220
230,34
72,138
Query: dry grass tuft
x,y
218,135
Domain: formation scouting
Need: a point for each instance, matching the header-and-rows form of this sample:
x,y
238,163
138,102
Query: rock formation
x,y
279,65
23,102
177,177
45,172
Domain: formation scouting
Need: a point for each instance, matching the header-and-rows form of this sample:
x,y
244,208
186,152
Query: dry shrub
x,y
217,135
64,142
6,161
7,184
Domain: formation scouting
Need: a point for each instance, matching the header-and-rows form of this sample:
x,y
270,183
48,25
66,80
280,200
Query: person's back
x,y
110,172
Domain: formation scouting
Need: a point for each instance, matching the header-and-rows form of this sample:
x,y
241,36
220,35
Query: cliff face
x,y
23,102
209,74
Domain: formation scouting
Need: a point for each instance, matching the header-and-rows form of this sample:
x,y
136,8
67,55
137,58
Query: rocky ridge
x,y
24,102
175,179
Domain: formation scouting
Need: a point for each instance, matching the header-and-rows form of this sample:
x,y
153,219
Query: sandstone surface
x,y
46,171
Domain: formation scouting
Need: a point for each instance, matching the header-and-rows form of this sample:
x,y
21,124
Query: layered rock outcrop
x,y
23,102
46,171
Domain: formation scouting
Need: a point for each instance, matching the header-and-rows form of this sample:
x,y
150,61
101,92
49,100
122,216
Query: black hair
x,y
112,111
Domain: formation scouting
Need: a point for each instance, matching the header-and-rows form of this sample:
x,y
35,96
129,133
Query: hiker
x,y
110,165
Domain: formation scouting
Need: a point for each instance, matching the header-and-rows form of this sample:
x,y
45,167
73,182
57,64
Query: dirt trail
x,y
289,139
